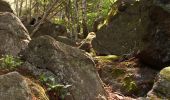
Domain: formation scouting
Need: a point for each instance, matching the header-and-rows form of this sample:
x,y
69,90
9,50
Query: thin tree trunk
x,y
21,5
68,16
16,7
30,10
36,11
44,6
26,7
76,19
84,18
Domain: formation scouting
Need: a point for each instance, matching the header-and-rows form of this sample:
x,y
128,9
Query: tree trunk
x,y
30,10
77,29
84,18
20,9
16,7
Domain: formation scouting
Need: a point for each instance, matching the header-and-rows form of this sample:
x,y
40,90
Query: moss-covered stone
x,y
36,90
165,73
14,86
108,58
161,88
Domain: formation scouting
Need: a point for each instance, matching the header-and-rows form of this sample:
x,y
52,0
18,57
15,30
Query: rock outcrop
x,y
137,25
156,53
126,28
161,88
5,7
68,65
14,86
13,34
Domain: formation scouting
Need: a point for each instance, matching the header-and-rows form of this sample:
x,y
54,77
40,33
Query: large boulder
x,y
138,25
68,65
156,53
161,88
14,86
5,7
47,28
13,34
126,28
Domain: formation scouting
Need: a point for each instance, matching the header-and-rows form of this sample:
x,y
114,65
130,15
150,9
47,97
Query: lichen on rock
x,y
161,87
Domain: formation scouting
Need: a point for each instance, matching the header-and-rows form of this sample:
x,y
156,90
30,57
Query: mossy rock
x,y
161,87
108,58
165,73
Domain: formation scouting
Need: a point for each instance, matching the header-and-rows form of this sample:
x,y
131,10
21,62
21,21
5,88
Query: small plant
x,y
60,89
117,72
10,62
129,84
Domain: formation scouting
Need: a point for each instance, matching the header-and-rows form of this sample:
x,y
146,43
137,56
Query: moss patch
x,y
118,72
129,84
165,73
108,58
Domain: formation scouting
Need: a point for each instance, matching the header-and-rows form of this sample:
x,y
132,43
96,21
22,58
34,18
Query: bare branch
x,y
50,7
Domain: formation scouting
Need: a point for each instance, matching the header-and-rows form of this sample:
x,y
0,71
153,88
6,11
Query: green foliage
x,y
43,2
10,62
58,21
60,89
118,72
94,11
129,84
91,17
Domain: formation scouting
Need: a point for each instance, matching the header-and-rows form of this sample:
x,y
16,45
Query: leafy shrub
x,y
60,89
10,62
129,84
